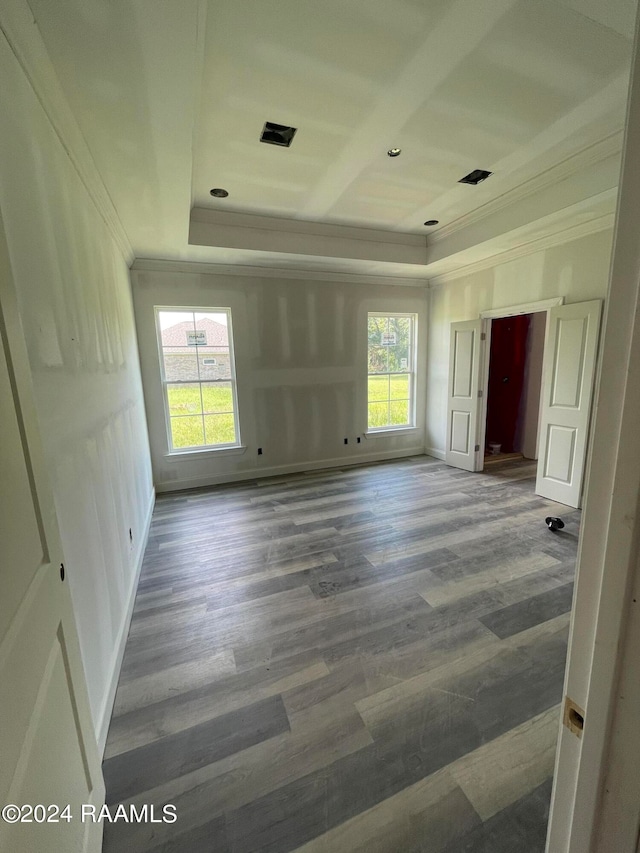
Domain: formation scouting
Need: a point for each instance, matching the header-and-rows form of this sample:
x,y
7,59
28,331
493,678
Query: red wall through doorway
x,y
506,378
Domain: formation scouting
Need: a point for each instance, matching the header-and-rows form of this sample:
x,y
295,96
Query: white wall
x,y
578,270
301,362
75,304
526,440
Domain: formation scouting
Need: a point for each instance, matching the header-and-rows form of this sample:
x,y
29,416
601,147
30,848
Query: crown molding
x,y
246,231
20,29
596,152
304,227
539,244
200,268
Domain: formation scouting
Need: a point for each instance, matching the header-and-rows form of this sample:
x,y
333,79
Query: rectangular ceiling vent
x,y
475,177
277,134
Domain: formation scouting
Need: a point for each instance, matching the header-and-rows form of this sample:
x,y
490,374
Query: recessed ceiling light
x,y
432,222
475,177
218,192
394,152
277,134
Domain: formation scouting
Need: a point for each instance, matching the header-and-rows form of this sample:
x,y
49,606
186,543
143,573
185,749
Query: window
x,y
198,375
391,380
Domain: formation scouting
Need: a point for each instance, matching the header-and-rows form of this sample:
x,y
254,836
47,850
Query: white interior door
x,y
48,749
463,450
567,389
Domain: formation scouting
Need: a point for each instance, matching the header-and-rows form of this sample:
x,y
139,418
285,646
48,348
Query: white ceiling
x,y
172,96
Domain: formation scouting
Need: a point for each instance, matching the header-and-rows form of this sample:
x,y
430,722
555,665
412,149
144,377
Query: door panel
x,y
47,743
460,431
568,361
462,342
561,449
464,379
569,370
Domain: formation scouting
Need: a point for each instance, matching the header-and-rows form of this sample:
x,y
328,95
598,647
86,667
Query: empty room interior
x,y
319,339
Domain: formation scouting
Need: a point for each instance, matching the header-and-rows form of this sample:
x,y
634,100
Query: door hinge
x,y
477,447
483,336
480,392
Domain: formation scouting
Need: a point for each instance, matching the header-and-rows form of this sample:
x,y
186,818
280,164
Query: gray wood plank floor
x,y
367,659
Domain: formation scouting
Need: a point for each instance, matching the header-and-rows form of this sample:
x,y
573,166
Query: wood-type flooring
x,y
368,659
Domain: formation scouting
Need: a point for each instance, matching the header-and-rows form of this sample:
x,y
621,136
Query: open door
x,y
567,390
48,748
463,445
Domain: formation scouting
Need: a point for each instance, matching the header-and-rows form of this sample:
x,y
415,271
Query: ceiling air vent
x,y
475,177
277,134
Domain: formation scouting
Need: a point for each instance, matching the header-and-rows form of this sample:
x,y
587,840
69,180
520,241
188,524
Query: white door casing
x,y
48,749
463,395
567,389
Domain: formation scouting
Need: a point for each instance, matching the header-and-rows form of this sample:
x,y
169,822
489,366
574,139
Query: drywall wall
x,y
578,270
75,305
529,414
301,364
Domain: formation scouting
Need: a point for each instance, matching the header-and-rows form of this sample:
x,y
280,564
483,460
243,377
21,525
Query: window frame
x,y
410,372
198,448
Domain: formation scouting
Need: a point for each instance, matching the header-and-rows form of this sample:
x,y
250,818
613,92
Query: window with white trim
x,y
391,371
198,377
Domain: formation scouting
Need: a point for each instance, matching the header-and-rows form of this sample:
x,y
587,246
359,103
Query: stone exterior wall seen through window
x,y
184,367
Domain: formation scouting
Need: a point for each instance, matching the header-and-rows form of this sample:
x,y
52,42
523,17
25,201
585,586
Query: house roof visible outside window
x,y
216,334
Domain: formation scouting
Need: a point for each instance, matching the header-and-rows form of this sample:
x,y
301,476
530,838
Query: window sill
x,y
235,450
387,431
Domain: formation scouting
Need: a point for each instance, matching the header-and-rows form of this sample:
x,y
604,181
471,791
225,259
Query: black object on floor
x,y
554,523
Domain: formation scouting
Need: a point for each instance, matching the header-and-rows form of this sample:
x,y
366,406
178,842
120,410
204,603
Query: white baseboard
x,y
294,468
107,708
438,454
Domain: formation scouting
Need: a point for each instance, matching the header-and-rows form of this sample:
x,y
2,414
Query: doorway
x,y
514,386
568,372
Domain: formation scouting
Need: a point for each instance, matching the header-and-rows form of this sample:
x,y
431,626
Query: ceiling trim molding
x,y
200,268
305,227
298,237
596,152
539,244
20,29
